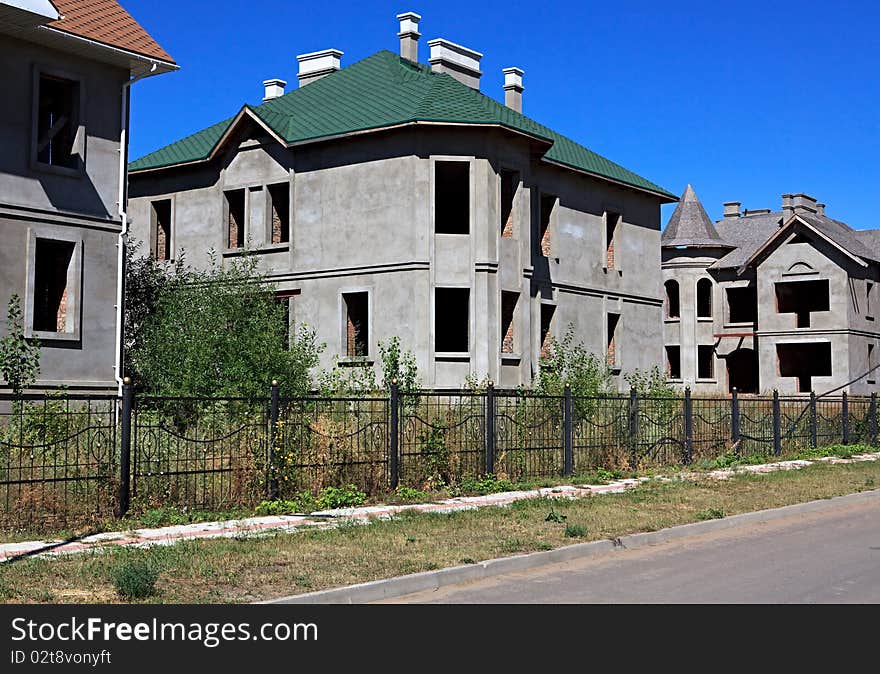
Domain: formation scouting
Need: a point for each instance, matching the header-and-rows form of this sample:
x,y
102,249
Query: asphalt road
x,y
832,556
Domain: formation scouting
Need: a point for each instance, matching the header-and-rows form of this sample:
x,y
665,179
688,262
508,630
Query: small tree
x,y
398,365
570,364
219,333
19,358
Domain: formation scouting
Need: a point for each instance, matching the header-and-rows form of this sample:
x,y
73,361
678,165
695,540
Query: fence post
x,y
813,437
845,419
273,430
872,414
567,452
734,420
688,426
395,434
490,428
777,439
633,426
125,448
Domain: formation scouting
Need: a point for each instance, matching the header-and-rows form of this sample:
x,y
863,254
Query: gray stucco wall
x,y
363,218
75,206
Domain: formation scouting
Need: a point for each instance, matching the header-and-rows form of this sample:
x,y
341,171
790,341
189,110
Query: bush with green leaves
x,y
348,496
569,363
19,356
217,332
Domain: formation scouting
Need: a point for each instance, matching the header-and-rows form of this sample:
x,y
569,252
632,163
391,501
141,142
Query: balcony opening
x,y
802,298
547,311
704,298
673,362
508,309
57,122
612,356
279,203
611,222
452,320
672,301
548,203
705,361
742,304
804,360
452,197
357,324
235,218
509,186
52,261
161,213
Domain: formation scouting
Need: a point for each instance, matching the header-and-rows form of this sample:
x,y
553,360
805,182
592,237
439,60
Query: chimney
x,y
731,209
803,203
460,62
315,65
274,89
513,88
820,209
787,207
409,36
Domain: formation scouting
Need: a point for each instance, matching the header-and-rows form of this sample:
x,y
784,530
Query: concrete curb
x,y
430,580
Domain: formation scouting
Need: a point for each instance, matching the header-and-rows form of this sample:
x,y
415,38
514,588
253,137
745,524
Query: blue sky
x,y
745,100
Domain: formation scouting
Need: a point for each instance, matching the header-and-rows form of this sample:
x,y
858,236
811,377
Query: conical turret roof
x,y
691,226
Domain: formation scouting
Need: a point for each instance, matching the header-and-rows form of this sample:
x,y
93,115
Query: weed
x,y
512,545
487,484
134,577
467,560
869,482
340,497
303,502
554,516
710,514
409,495
575,531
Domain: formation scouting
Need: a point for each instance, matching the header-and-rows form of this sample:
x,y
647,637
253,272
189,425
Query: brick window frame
x,y
345,327
73,295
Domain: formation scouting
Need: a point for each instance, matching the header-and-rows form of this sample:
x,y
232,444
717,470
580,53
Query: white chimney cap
x,y
409,23
513,78
316,64
274,88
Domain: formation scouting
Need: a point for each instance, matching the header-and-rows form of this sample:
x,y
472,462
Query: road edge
x,y
388,588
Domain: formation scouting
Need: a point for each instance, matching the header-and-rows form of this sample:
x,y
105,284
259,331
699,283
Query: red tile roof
x,y
106,21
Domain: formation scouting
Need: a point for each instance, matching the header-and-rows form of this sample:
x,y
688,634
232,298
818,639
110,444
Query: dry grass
x,y
248,569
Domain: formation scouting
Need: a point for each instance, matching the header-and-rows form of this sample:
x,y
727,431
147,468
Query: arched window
x,y
704,298
671,299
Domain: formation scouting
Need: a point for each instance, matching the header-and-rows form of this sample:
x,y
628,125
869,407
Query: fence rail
x,y
79,458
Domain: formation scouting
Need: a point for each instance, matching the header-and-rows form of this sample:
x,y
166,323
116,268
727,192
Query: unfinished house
x,y
765,300
392,198
67,67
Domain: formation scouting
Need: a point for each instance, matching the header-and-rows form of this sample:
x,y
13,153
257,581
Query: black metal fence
x,y
84,458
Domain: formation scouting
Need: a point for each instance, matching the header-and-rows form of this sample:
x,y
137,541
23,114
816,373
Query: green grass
x,y
256,568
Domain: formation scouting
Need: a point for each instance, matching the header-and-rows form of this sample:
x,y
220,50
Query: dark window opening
x,y
357,337
284,299
801,298
742,371
162,220
872,378
704,298
509,186
452,197
235,223
52,262
508,309
673,362
611,221
611,353
672,304
804,360
57,121
799,238
547,311
451,320
742,304
548,203
868,288
705,362
279,206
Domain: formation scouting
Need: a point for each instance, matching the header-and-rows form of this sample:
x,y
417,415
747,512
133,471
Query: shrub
x,y
486,484
575,531
410,495
134,577
19,357
340,497
303,502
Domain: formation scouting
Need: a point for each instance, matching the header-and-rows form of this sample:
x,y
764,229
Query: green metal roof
x,y
385,90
